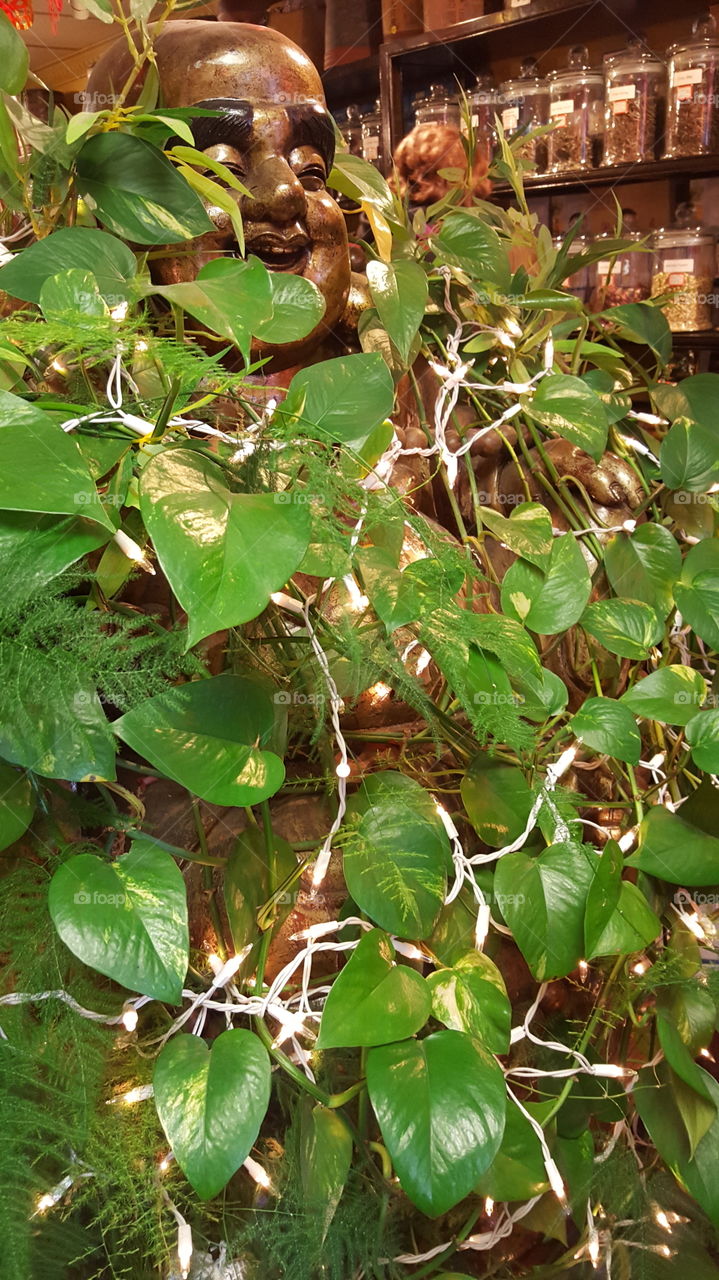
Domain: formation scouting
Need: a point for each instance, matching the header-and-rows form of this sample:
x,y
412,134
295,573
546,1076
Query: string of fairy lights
x,y
297,1013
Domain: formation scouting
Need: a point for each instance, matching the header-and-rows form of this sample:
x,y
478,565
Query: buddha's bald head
x,y
273,132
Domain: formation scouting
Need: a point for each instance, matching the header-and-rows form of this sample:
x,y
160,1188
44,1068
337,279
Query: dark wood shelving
x,y
542,184
352,82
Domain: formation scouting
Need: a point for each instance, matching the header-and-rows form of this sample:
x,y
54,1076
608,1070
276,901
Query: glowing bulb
x,y
357,601
184,1248
693,923
662,1220
214,962
132,550
665,1251
423,662
44,1203
141,345
583,970
292,1026
640,967
120,311
165,1162
130,1019
380,691
593,1249
481,929
139,1094
489,1206
59,367
260,1175
408,949
555,1182
704,1053
611,1071
343,770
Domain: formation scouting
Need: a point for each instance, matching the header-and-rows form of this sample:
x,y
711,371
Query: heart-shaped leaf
x,y
608,727
543,901
228,296
17,804
211,1103
675,851
550,598
325,1158
111,262
527,531
697,591
625,627
397,858
441,1105
644,565
343,400
374,1000
224,553
671,695
472,997
127,919
202,734
41,467
631,926
399,292
571,408
497,798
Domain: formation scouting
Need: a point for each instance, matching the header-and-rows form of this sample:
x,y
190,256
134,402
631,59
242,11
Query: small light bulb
x,y
343,770
704,1053
59,367
44,1203
481,929
555,1182
130,1019
292,1026
694,925
583,970
165,1162
662,1220
611,1071
640,967
184,1248
593,1249
489,1206
141,345
380,692
120,311
139,1094
260,1175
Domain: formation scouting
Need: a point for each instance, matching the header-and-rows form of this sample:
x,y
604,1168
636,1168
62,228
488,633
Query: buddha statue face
x,y
275,134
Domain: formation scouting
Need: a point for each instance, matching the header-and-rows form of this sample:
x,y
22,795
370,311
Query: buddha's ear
x,y
358,300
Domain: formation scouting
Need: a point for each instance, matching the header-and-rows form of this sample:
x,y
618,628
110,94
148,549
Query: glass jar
x,y
417,106
484,106
684,265
582,282
635,98
372,136
526,106
693,104
351,130
623,277
576,108
439,107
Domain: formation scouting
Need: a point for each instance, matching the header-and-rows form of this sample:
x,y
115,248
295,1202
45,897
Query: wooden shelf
x,y
542,184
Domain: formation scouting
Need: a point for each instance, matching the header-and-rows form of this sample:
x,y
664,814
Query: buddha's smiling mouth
x,y
278,252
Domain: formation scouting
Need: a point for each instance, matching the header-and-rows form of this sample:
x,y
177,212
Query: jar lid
x,y
528,83
704,30
635,57
578,70
634,236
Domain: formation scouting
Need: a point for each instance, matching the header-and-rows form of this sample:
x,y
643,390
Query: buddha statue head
x,y
275,134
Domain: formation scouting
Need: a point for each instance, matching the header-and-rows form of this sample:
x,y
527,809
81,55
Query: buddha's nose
x,y
278,193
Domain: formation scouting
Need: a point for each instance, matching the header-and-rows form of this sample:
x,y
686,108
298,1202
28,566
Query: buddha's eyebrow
x,y
313,125
232,126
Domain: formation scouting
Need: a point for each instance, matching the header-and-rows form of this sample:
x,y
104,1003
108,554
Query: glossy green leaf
x,y
224,553
498,800
632,926
399,292
111,262
644,565
231,298
543,901
697,591
72,295
397,858
508,640
17,804
51,719
468,242
211,1103
609,728
441,1105
342,400
675,851
527,531
643,323
656,1104
472,997
203,735
393,596
603,895
689,458
325,1159
374,1000
517,1171
679,1058
297,309
34,549
693,398
14,57
41,467
246,885
702,734
551,598
573,410
671,695
625,627
153,205
127,919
